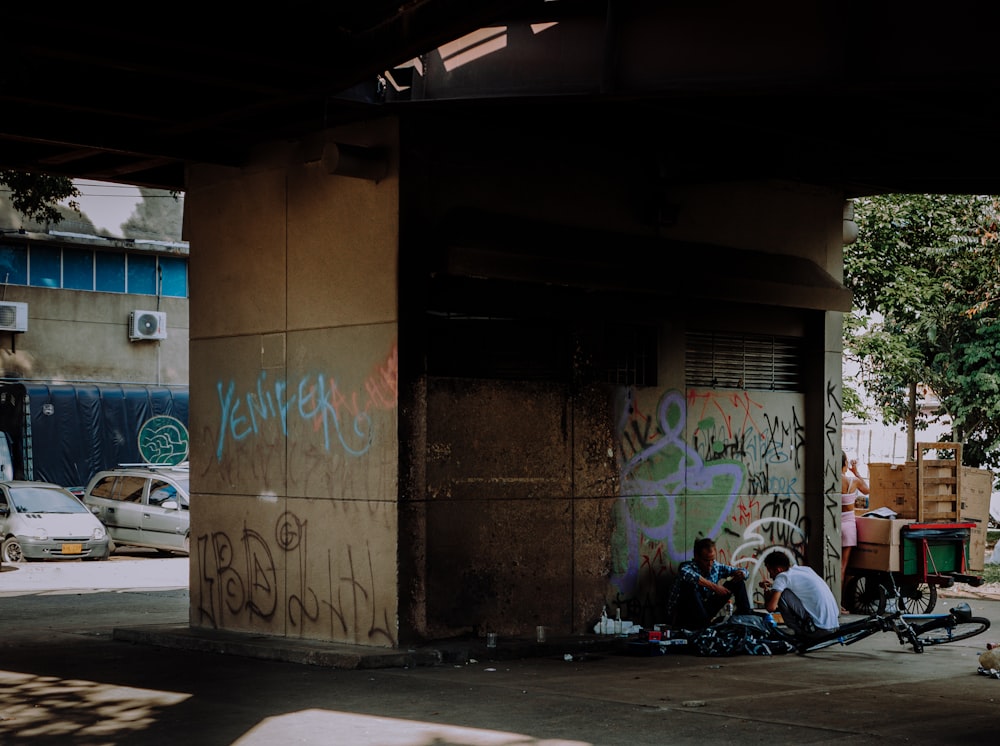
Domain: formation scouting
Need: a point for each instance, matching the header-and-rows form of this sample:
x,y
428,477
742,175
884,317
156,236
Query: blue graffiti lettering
x,y
316,401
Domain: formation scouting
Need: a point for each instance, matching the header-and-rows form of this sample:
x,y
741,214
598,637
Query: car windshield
x,y
44,500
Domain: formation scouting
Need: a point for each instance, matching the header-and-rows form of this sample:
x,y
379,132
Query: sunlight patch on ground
x,y
47,707
361,730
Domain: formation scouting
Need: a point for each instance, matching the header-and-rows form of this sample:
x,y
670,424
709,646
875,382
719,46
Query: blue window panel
x,y
14,265
173,277
141,274
110,272
43,270
78,269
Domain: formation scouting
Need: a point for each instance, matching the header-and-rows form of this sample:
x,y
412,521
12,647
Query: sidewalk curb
x,y
345,656
314,653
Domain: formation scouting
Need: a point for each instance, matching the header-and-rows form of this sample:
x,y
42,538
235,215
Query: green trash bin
x,y
947,549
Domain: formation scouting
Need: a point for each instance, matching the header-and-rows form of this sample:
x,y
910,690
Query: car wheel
x,y
12,550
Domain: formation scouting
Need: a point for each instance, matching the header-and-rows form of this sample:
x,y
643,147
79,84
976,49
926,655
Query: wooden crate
x,y
939,483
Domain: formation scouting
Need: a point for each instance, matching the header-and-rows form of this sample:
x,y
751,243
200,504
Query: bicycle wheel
x,y
917,598
865,595
945,630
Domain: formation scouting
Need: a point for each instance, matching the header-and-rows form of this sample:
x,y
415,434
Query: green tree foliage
x,y
36,196
925,272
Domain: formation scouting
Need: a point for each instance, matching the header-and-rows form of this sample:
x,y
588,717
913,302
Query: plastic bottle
x,y
618,621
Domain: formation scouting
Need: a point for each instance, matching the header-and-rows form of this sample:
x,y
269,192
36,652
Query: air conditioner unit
x,y
147,325
13,317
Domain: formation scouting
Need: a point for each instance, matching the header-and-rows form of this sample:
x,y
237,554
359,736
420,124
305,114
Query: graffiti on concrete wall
x,y
832,484
329,438
723,464
239,584
339,419
310,431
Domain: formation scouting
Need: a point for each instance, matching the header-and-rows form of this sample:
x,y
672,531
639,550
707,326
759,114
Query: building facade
x,y
105,316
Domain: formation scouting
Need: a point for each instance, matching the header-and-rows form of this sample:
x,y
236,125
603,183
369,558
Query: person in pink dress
x,y
852,485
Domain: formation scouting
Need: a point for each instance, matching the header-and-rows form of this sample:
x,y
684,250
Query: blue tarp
x,y
77,430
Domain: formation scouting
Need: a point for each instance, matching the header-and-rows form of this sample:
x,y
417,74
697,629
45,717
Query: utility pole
x,y
911,424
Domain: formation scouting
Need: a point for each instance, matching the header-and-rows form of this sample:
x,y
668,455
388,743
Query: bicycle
x,y
916,630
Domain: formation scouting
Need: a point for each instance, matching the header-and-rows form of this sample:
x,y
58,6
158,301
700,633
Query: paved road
x,y
65,680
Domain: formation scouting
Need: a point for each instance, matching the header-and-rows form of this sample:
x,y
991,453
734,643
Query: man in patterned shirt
x,y
697,594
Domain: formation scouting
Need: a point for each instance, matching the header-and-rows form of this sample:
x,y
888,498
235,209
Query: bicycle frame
x,y
852,632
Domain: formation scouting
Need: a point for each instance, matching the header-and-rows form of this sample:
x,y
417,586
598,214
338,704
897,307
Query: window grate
x,y
744,361
628,356
618,354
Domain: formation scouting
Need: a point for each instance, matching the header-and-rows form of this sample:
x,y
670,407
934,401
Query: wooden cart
x,y
937,538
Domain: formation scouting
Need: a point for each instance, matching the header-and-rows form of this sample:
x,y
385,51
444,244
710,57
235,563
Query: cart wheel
x,y
865,595
917,598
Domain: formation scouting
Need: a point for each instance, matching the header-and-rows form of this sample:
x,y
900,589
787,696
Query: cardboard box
x,y
875,557
878,543
893,486
881,530
977,485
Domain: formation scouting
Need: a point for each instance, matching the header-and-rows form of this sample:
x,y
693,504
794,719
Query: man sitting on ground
x,y
697,595
806,603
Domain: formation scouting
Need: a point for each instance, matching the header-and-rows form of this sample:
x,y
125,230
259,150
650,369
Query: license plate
x,y
72,548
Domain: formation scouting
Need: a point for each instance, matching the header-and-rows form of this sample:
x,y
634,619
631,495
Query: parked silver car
x,y
143,506
39,520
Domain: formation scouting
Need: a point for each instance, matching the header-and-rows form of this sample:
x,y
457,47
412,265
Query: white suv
x,y
143,506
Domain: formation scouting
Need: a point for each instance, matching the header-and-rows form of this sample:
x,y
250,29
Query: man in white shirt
x,y
805,602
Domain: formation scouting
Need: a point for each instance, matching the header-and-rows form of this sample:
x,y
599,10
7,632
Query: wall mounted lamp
x,y
354,161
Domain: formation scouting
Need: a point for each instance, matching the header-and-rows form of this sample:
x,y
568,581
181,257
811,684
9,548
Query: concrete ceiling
x,y
834,92
131,94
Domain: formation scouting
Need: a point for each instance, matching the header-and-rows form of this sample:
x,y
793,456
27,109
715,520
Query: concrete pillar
x,y
294,394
